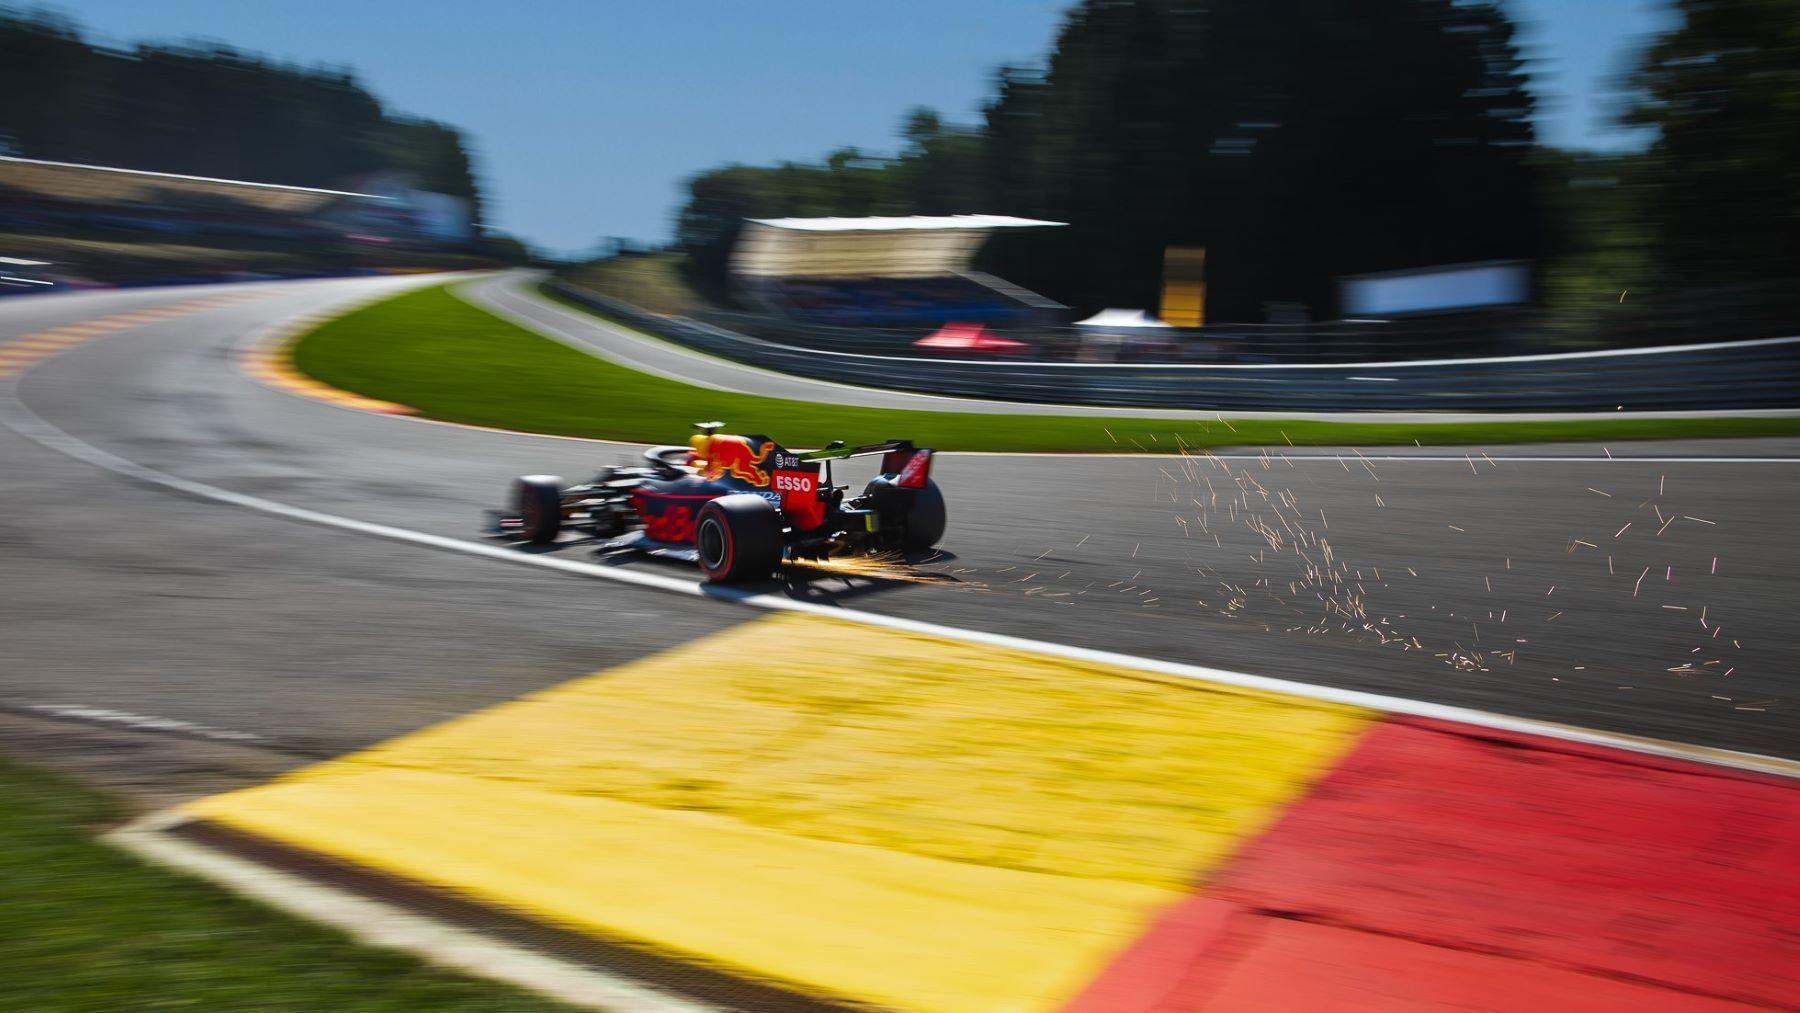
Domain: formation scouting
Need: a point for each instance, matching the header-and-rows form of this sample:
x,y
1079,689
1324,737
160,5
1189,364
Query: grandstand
x,y
904,272
111,224
38,195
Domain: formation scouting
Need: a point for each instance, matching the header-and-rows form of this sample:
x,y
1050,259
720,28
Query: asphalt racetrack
x,y
1643,588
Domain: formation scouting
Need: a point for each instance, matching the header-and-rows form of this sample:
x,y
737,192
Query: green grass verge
x,y
88,927
434,352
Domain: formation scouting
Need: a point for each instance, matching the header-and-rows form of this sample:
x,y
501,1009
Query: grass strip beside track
x,y
452,361
88,927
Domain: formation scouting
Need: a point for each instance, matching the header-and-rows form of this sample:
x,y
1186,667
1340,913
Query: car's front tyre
x,y
537,499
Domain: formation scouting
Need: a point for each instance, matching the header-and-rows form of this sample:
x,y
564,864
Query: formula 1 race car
x,y
737,505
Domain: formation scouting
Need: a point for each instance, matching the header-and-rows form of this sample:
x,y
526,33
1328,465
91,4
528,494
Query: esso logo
x,y
793,483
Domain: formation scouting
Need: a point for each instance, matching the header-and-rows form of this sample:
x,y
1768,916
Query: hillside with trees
x,y
1303,140
208,110
1297,140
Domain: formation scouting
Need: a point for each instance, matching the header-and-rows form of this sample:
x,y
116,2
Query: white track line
x,y
21,419
138,722
379,924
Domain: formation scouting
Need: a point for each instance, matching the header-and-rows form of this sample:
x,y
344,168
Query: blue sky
x,y
585,115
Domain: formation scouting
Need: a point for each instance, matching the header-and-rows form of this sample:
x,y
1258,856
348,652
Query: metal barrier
x,y
1762,373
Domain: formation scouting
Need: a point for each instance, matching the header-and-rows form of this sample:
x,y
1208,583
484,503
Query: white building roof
x,y
916,246
907,222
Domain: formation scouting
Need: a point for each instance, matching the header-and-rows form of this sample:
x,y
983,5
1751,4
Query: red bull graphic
x,y
739,457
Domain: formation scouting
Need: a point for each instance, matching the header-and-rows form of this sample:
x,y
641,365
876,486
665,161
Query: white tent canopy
x,y
1120,319
917,246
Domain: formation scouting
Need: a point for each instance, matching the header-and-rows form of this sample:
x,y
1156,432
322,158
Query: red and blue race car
x,y
739,506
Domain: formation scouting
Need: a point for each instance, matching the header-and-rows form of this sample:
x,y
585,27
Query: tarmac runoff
x,y
940,825
23,352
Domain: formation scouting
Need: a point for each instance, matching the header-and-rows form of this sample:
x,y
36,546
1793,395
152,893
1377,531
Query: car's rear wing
x,y
910,465
837,450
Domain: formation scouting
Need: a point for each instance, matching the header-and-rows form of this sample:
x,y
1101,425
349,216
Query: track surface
x,y
133,599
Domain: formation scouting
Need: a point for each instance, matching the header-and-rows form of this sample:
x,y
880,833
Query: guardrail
x,y
1735,375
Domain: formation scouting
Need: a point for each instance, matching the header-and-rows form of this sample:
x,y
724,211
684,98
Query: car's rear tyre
x,y
919,514
926,518
738,538
537,499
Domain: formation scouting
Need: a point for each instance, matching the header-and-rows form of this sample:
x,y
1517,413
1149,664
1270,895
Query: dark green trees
x,y
1298,140
1721,183
208,111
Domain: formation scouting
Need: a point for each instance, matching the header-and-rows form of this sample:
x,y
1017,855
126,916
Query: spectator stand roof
x,y
31,178
916,246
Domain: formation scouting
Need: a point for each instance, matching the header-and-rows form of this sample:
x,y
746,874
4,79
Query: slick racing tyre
x,y
537,499
738,538
918,514
925,518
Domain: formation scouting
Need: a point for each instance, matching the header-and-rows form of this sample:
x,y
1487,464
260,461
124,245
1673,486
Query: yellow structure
x,y
1184,286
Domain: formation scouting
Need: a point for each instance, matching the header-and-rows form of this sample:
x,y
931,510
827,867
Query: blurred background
x,y
1146,218
1296,180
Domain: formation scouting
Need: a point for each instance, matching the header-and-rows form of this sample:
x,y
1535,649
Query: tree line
x,y
1299,141
208,110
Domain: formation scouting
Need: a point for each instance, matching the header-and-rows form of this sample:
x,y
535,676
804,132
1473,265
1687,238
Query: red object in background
x,y
1437,867
969,338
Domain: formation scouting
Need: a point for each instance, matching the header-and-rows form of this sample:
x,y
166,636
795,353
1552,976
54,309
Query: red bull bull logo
x,y
735,457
